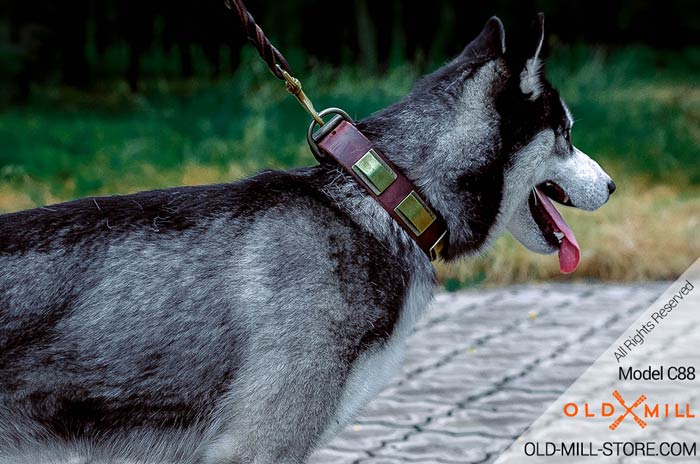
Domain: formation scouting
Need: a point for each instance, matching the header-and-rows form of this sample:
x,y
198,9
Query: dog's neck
x,y
455,171
364,210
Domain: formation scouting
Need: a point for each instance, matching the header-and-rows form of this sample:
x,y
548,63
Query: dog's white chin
x,y
524,228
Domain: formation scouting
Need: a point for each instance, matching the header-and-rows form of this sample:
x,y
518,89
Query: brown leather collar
x,y
340,140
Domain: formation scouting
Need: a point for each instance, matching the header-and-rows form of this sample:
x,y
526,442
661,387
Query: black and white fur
x,y
248,322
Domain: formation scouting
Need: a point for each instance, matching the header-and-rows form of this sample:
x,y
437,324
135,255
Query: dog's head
x,y
488,140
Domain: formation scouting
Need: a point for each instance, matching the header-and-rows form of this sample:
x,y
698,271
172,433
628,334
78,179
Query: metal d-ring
x,y
312,136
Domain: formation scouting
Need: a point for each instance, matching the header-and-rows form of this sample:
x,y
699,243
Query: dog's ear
x,y
489,44
530,77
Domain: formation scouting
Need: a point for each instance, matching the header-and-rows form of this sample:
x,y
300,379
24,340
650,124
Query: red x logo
x,y
628,410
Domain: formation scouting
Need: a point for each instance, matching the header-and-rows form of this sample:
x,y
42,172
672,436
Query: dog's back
x,y
177,313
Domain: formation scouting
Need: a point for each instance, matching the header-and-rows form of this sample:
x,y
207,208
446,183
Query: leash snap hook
x,y
294,87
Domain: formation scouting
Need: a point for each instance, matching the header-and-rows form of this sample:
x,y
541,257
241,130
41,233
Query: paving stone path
x,y
482,366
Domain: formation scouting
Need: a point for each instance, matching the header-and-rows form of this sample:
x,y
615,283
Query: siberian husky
x,y
248,322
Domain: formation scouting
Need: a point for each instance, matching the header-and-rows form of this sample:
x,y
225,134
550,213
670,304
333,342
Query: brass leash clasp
x,y
294,87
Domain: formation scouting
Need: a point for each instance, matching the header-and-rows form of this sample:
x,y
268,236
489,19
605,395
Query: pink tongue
x,y
569,251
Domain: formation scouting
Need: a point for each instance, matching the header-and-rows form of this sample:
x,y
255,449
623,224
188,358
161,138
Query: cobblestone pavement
x,y
482,366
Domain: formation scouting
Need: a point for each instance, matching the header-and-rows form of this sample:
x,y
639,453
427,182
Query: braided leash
x,y
272,57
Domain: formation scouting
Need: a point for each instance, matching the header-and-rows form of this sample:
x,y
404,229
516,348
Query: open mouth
x,y
554,228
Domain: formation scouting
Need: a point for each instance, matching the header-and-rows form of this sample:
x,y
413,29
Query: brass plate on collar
x,y
415,213
374,172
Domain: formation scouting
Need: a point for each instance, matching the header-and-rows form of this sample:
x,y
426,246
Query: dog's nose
x,y
611,186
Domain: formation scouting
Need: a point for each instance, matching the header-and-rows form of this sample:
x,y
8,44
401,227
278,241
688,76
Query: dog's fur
x,y
247,322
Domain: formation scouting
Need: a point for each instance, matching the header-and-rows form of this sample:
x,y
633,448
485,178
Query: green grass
x,y
82,144
635,108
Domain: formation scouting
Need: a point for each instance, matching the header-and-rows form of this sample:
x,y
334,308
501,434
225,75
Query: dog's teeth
x,y
566,199
559,235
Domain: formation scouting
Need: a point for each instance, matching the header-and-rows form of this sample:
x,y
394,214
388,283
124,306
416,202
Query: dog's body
x,y
247,322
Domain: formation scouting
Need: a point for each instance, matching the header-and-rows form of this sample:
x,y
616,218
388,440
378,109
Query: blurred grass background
x,y
637,112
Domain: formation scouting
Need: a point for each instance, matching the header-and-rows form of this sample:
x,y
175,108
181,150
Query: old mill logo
x,y
639,411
